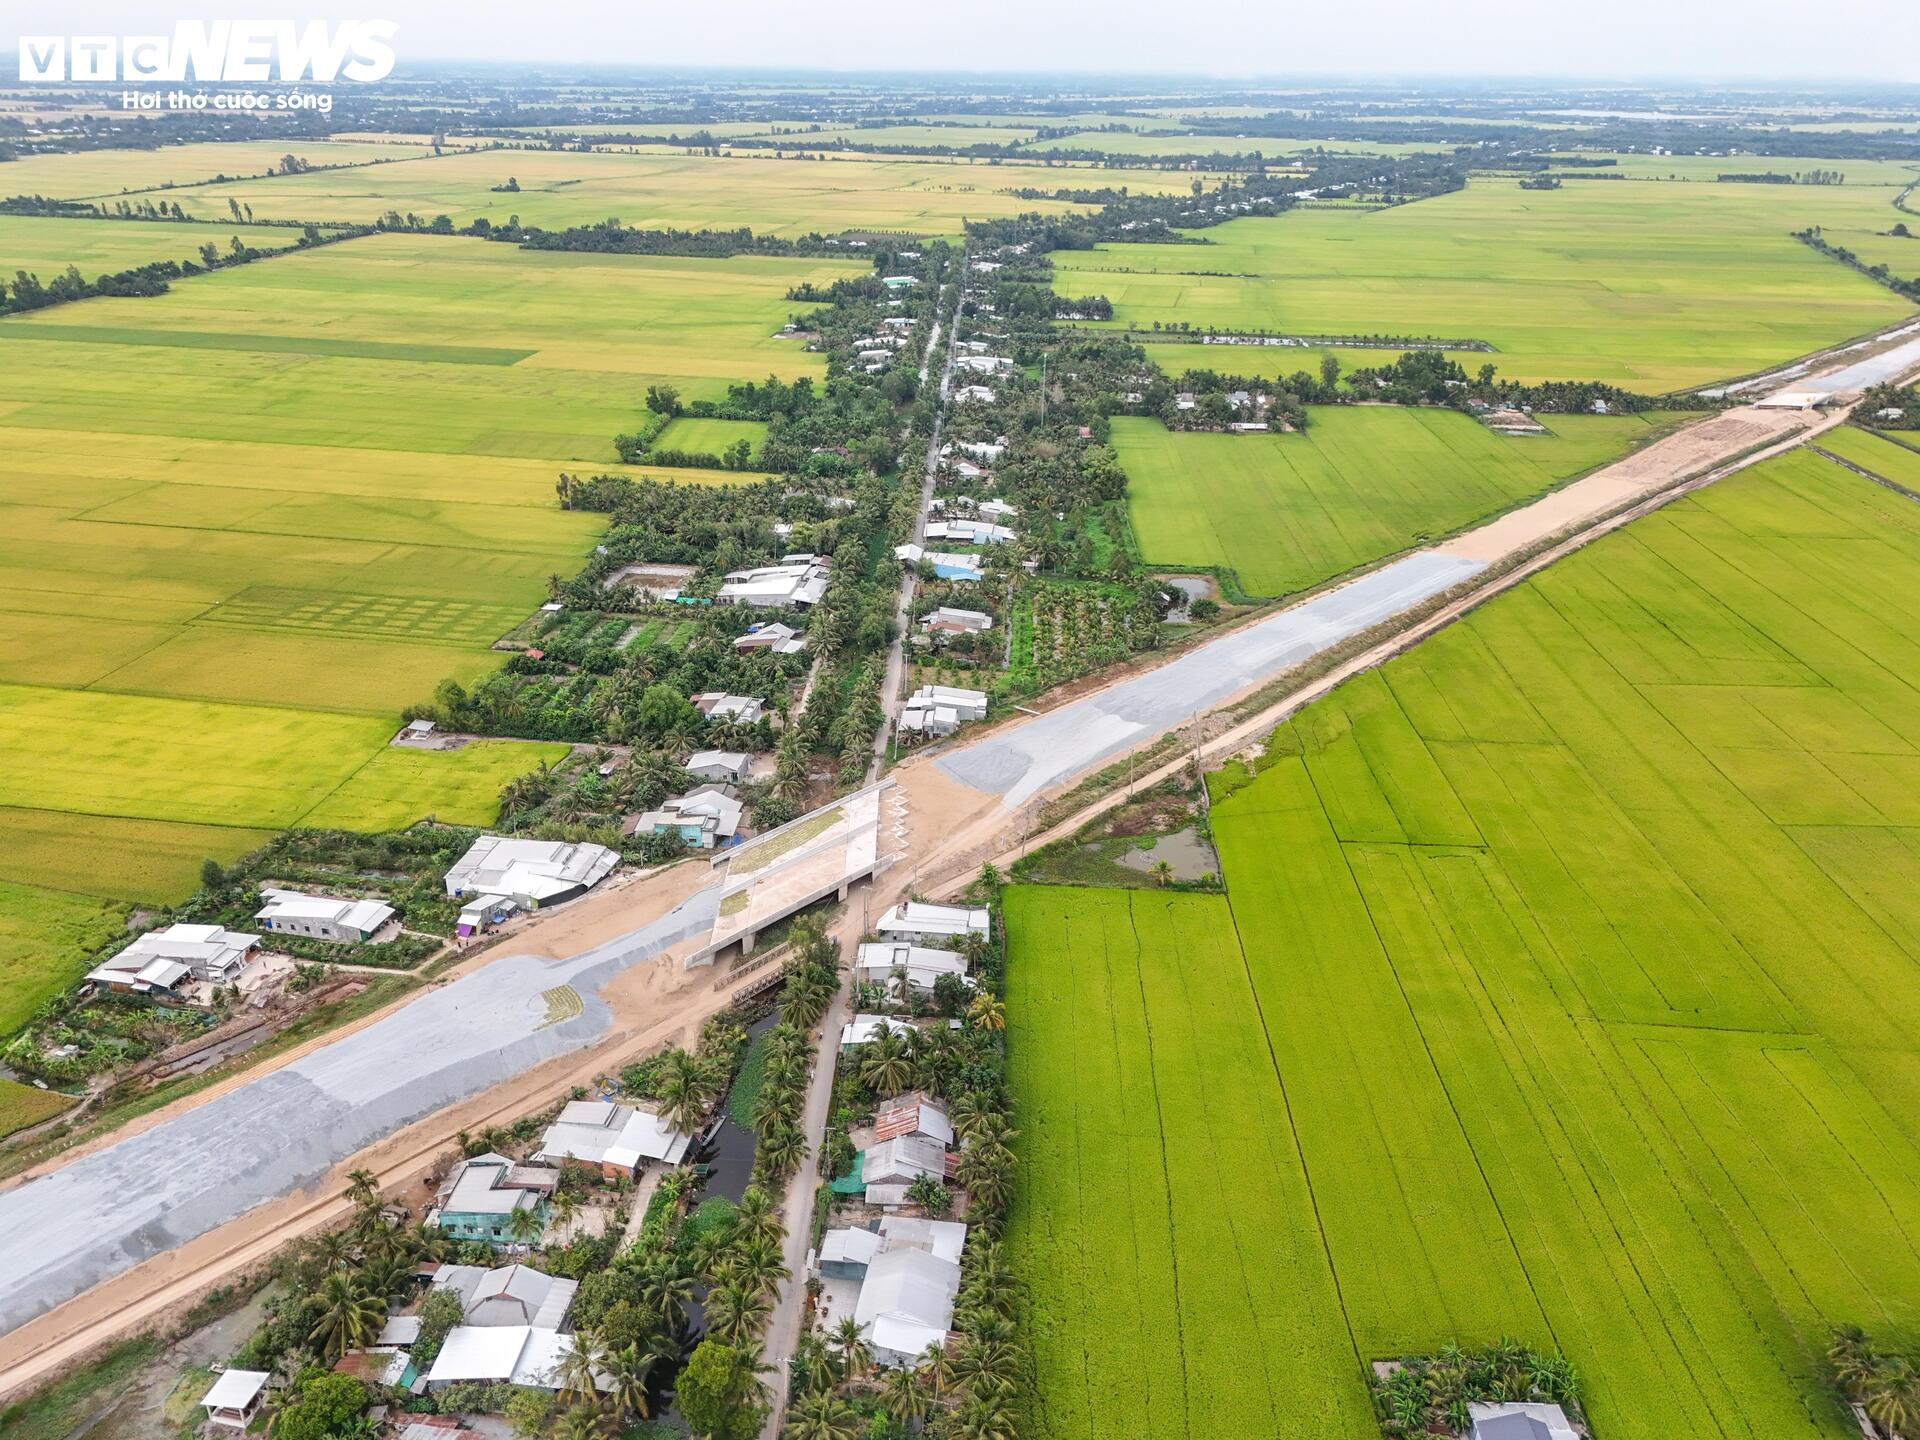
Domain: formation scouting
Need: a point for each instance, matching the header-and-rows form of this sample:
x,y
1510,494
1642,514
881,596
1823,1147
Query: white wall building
x,y
531,873
322,917
919,923
162,960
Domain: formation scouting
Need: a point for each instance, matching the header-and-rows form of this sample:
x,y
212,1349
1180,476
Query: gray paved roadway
x,y
105,1213
1074,739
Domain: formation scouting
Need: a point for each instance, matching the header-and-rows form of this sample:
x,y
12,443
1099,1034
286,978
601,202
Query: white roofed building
x,y
919,923
322,917
952,620
722,766
507,1295
162,960
500,1355
718,705
799,582
706,818
898,1283
619,1139
1518,1420
862,1028
235,1398
877,961
771,635
531,873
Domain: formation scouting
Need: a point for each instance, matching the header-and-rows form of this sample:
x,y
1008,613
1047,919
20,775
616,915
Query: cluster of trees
x,y
1775,177
1429,1394
1429,377
1883,1382
28,292
1908,288
1889,407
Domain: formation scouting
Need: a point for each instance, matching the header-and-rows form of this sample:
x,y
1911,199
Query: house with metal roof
x,y
772,635
618,1139
322,917
728,767
531,873
952,620
878,961
899,1285
740,709
162,960
480,1196
500,1355
706,818
1519,1420
916,922
798,582
862,1028
508,1295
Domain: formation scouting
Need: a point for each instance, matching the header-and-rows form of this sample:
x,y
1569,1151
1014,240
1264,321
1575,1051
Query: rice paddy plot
x,y
159,172
110,857
1572,953
46,245
698,436
1278,362
46,937
1285,512
665,190
457,787
1653,287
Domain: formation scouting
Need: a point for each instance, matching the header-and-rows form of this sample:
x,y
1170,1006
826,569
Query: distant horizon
x,y
1709,42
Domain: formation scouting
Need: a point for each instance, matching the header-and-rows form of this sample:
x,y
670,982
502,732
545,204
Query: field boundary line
x,y
1861,470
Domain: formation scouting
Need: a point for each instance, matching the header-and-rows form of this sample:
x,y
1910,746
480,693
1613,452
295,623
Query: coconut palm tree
x,y
331,1249
814,1365
855,1356
904,1398
758,1265
969,1109
562,1209
756,1218
349,1316
667,1290
578,1368
821,1415
586,1422
524,1226
984,1365
986,1012
735,1312
782,1149
984,1417
936,1368
1892,1395
625,1371
363,1189
1852,1357
884,1065
1161,872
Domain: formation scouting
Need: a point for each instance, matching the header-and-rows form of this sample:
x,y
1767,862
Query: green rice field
x,y
698,436
1563,990
246,523
1651,286
1285,512
667,189
110,174
47,245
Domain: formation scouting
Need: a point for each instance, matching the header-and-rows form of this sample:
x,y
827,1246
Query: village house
x,y
983,364
900,282
911,1139
771,635
161,960
974,394
617,1139
706,818
987,450
322,917
529,873
950,620
898,1281
235,1398
877,963
741,709
726,767
797,582
968,532
1518,1420
504,1295
862,1028
918,923
954,565
480,1195
941,709
500,1355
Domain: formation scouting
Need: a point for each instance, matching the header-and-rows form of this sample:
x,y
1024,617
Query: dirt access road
x,y
953,821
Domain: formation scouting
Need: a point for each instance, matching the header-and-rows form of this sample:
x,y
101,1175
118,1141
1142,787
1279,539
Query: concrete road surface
x,y
1017,764
282,1131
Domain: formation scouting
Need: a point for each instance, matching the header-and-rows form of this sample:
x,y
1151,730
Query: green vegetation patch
x,y
1563,992
695,436
1286,512
47,245
456,787
24,1105
1650,286
46,940
112,857
270,344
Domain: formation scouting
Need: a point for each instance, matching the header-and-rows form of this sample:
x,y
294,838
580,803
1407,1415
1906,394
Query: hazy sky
x,y
1784,40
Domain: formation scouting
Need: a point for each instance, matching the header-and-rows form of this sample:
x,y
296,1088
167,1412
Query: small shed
x,y
235,1398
